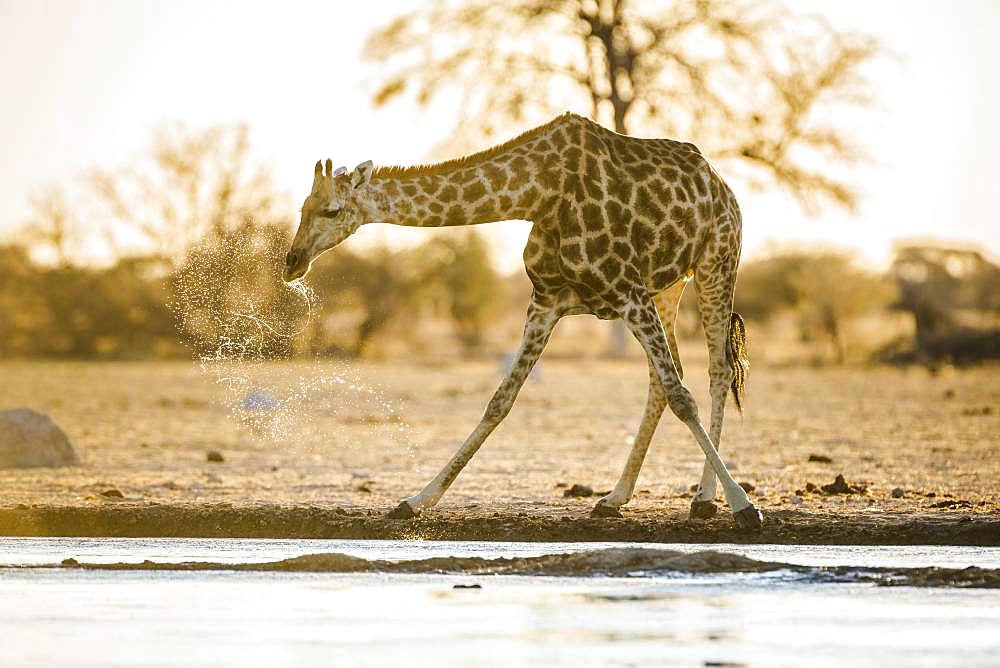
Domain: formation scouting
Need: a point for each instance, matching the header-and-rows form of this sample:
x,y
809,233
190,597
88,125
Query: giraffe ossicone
x,y
619,226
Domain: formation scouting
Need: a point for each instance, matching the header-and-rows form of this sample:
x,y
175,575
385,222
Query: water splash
x,y
250,332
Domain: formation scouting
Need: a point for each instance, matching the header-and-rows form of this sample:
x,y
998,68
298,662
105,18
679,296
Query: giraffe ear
x,y
340,170
362,174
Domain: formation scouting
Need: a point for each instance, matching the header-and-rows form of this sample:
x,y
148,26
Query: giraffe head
x,y
338,205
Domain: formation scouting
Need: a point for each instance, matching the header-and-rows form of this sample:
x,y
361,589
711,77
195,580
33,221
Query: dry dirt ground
x,y
342,453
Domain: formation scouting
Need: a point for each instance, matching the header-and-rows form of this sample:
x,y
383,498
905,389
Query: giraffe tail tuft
x,y
738,357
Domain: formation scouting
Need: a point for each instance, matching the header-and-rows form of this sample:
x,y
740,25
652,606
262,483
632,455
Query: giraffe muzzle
x,y
295,268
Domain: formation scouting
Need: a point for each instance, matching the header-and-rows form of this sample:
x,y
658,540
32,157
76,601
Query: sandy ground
x,y
345,452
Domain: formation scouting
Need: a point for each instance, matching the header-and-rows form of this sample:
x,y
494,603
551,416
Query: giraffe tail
x,y
738,357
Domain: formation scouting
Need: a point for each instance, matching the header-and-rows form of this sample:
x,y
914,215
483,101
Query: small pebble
x,y
578,490
822,459
215,456
748,487
796,500
112,493
897,493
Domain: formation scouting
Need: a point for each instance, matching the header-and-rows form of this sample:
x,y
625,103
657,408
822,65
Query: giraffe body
x,y
619,226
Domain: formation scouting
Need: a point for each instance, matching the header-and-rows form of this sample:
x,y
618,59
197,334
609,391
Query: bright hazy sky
x,y
85,83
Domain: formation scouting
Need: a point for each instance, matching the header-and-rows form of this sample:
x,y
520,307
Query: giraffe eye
x,y
331,213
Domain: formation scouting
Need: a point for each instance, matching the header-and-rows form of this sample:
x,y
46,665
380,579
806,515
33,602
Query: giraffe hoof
x,y
604,510
702,510
749,518
402,512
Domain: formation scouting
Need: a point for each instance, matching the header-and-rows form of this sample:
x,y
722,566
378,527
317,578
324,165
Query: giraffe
x,y
619,226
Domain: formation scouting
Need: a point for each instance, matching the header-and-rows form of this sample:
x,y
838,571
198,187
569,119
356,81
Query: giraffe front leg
x,y
640,316
609,505
537,328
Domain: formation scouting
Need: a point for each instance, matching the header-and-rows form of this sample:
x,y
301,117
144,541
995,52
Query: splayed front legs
x,y
537,328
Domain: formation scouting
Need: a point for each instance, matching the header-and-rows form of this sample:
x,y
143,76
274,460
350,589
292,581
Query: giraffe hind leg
x,y
641,318
715,282
608,506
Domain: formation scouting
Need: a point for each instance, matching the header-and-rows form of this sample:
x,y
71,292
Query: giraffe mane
x,y
399,171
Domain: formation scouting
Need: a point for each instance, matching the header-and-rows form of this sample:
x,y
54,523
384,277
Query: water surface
x,y
54,616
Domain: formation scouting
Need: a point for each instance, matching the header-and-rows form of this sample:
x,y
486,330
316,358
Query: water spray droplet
x,y
242,321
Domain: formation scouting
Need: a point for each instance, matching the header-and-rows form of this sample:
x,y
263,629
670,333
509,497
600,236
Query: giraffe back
x,y
616,213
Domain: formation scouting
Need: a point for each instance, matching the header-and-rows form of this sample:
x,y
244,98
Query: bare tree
x,y
751,84
194,184
52,226
748,83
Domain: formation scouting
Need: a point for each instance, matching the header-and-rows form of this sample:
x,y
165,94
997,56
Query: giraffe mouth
x,y
295,271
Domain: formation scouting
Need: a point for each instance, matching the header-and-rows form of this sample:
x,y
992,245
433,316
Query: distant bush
x,y
457,272
825,291
68,311
952,295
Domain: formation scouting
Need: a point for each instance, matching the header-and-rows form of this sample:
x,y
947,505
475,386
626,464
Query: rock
x,y
840,486
822,459
260,401
112,493
364,486
951,504
577,491
897,493
29,438
796,500
215,456
748,487
811,487
471,586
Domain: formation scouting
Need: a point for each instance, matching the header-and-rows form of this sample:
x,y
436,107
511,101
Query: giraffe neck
x,y
503,185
